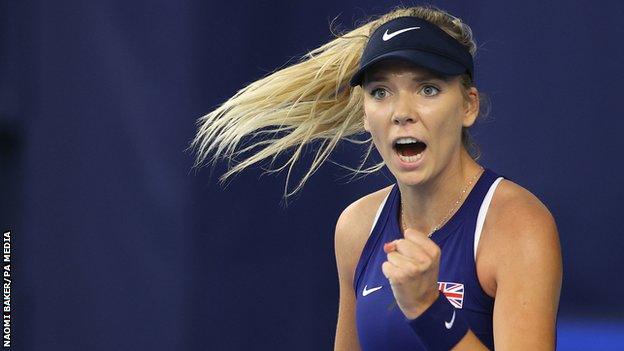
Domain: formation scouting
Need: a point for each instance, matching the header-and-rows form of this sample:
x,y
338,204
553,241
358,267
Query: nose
x,y
403,111
402,119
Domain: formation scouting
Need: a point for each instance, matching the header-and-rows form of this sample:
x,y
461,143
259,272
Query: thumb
x,y
389,247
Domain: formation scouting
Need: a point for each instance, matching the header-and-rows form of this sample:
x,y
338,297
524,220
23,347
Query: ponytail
x,y
305,102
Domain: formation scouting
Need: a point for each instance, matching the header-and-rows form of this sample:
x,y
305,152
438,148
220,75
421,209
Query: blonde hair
x,y
308,101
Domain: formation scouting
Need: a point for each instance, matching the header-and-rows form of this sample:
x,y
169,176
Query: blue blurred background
x,y
120,245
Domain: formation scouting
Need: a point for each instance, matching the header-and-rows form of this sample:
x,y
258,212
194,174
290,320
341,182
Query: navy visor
x,y
418,41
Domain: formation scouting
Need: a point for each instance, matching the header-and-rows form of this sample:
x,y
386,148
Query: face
x,y
404,100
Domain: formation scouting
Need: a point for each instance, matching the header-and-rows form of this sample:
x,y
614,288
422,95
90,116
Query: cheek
x,y
449,129
370,117
372,122
366,119
375,113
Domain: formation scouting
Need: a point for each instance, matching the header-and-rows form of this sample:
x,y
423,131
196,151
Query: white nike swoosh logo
x,y
369,291
387,36
449,325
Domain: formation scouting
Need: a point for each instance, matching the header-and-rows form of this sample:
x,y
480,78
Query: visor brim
x,y
436,63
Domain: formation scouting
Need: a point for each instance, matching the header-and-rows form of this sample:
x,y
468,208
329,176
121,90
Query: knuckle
x,y
436,252
385,270
408,233
398,276
415,271
423,263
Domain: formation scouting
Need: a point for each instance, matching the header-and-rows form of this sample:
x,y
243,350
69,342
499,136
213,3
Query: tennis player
x,y
450,256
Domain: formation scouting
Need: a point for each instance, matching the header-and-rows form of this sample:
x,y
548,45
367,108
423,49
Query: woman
x,y
452,255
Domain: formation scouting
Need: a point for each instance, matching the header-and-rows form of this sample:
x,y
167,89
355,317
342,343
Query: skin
x,y
518,258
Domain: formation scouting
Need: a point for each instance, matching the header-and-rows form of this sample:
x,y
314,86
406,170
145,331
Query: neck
x,y
427,204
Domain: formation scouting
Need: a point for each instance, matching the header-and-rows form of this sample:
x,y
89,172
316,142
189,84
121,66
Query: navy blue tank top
x,y
380,323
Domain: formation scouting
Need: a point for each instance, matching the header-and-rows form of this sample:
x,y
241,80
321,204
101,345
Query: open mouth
x,y
410,151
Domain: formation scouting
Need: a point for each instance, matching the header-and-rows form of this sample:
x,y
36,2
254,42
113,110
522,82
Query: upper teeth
x,y
406,140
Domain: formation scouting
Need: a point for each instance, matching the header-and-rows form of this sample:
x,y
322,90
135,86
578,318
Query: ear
x,y
366,125
471,107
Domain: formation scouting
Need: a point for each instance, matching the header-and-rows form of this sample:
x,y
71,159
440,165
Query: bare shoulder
x,y
518,228
353,228
517,210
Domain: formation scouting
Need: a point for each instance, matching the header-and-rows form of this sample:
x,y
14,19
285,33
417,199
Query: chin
x,y
410,179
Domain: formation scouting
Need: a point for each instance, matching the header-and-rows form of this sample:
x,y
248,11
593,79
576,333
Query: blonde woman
x,y
451,256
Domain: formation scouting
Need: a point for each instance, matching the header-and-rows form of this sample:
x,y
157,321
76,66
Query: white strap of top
x,y
379,211
482,212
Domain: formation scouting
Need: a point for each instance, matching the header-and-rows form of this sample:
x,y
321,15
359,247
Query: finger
x,y
417,263
391,272
403,262
424,242
412,249
389,247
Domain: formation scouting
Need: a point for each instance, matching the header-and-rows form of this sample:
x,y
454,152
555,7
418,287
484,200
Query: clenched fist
x,y
412,269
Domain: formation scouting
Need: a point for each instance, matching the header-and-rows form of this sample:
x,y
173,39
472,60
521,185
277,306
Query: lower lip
x,y
409,165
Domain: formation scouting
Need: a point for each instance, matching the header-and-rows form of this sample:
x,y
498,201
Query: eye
x,y
379,93
430,90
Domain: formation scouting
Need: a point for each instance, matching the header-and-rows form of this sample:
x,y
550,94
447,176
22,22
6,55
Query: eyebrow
x,y
428,76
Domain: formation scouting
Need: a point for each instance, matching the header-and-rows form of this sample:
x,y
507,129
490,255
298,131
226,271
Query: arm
x,y
527,269
528,277
346,250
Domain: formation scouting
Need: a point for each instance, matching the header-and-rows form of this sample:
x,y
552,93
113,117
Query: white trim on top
x,y
379,211
482,213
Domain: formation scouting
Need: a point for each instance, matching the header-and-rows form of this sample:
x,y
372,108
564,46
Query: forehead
x,y
386,68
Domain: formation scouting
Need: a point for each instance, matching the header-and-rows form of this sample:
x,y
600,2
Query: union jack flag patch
x,y
454,292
